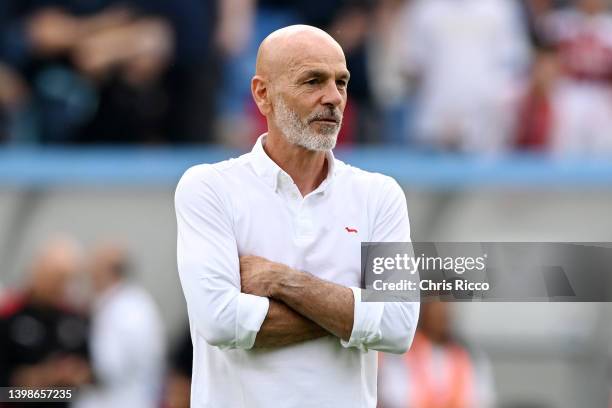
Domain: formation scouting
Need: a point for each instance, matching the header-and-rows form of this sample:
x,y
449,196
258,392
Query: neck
x,y
306,168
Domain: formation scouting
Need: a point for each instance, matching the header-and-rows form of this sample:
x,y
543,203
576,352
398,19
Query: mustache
x,y
334,115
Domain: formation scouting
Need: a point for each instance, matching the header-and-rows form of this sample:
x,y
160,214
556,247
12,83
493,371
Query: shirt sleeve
x,y
386,326
208,264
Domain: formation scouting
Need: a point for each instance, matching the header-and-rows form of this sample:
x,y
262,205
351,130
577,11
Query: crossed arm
x,y
283,326
302,306
245,302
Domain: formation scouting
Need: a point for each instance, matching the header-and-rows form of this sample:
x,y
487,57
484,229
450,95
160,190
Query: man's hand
x,y
53,31
259,275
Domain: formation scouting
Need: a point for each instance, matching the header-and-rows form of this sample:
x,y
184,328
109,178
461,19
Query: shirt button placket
x,y
305,222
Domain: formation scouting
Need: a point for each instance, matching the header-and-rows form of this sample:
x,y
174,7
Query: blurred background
x,y
494,115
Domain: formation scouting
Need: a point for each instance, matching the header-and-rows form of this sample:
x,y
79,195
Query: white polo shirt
x,y
250,206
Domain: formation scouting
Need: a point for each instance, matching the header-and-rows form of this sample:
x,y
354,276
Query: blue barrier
x,y
48,167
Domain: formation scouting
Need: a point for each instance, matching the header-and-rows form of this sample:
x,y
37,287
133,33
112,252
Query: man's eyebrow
x,y
318,73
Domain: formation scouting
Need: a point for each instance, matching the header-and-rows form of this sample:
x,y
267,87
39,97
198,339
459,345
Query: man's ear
x,y
259,90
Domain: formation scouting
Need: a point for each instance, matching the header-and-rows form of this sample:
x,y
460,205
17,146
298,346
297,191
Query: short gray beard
x,y
299,133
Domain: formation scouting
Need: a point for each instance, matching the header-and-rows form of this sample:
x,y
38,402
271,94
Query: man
x,y
127,339
42,343
269,248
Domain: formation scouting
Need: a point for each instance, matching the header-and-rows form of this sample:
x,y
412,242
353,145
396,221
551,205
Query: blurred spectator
x,y
391,92
437,371
581,99
536,116
13,93
468,59
127,339
43,343
535,14
113,71
178,383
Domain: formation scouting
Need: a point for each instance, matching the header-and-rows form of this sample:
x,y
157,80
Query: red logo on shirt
x,y
350,230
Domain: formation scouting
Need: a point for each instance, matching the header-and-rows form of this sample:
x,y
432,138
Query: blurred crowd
x,y
83,322
80,319
452,75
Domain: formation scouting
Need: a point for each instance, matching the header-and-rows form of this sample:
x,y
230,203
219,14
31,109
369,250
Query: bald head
x,y
287,47
55,265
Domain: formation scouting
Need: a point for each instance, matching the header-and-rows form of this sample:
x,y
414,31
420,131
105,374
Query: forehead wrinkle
x,y
321,71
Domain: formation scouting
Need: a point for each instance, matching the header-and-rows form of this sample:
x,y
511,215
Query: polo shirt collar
x,y
270,172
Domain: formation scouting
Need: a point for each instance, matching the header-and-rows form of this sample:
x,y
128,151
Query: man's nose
x,y
332,95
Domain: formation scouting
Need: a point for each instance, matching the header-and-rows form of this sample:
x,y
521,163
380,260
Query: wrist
x,y
282,277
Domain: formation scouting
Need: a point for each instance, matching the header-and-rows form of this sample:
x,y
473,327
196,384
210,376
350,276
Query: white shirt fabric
x,y
127,350
250,206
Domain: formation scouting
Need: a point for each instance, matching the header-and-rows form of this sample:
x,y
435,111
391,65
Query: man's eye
x,y
313,81
341,84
